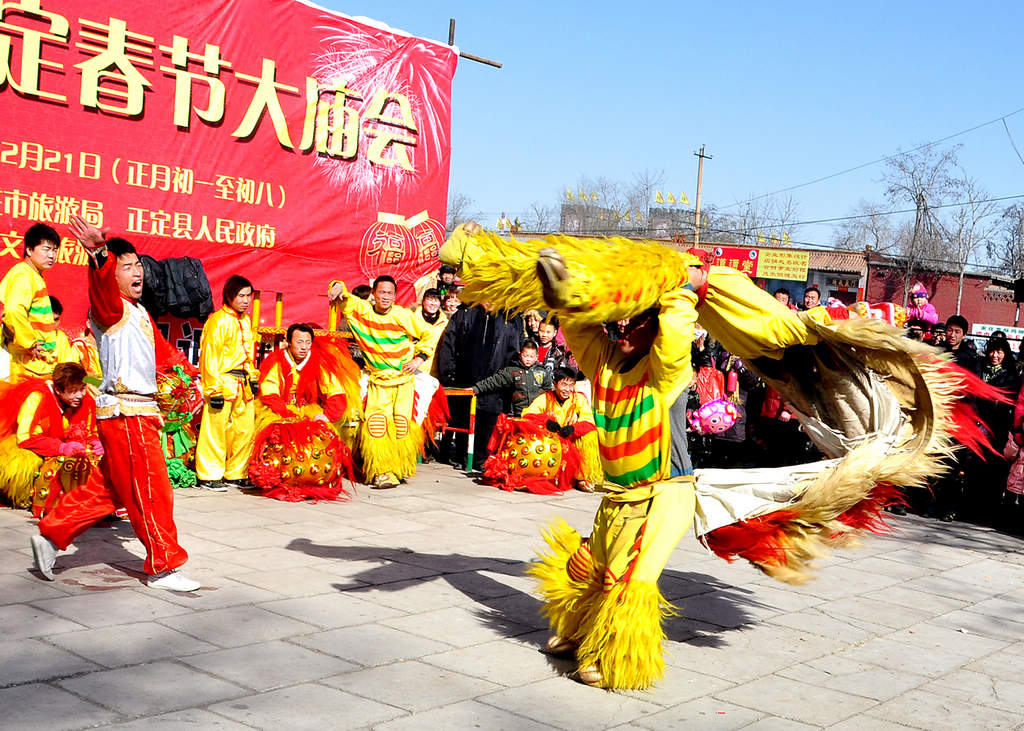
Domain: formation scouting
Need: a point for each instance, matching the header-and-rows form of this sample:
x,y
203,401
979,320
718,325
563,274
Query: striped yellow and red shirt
x,y
388,340
632,398
28,319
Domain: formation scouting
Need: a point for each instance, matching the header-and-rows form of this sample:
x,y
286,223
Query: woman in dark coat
x,y
999,370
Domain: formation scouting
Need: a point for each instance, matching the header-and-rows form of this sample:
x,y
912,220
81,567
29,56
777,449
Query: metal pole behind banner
x,y
468,56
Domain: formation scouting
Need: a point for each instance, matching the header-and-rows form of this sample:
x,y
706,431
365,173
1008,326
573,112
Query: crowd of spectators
x,y
509,360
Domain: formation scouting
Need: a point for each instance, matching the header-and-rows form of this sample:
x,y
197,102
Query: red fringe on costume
x,y
298,438
760,540
966,427
438,415
500,473
868,515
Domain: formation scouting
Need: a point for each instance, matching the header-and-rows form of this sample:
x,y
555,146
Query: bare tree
x,y
870,225
1007,251
923,180
460,210
758,221
541,218
968,226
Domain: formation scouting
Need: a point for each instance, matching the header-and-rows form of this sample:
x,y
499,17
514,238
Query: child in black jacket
x,y
523,381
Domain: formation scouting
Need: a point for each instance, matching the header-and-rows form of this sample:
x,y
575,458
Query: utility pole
x,y
700,179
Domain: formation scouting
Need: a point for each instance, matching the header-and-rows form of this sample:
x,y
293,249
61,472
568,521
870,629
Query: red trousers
x,y
133,474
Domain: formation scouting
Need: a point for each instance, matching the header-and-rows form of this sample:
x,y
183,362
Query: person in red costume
x,y
43,419
133,467
309,373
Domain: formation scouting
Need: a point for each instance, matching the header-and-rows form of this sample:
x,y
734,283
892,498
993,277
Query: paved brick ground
x,y
408,609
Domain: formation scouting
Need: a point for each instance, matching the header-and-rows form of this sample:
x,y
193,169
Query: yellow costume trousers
x,y
225,441
389,439
602,592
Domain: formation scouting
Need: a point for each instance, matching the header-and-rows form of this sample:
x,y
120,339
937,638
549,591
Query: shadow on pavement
x,y
510,612
102,547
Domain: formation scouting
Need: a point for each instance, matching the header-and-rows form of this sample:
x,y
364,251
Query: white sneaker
x,y
172,580
44,552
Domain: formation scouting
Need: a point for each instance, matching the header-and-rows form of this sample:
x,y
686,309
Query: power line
x,y
1003,119
1012,143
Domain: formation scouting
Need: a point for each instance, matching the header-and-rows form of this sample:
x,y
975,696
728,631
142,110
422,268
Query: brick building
x,y
987,297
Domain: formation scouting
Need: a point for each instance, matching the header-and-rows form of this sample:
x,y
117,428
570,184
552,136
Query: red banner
x,y
742,258
268,138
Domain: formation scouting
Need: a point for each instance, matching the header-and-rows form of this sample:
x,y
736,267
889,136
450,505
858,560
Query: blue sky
x,y
781,93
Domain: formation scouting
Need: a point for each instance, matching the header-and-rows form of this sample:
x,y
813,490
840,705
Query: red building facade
x,y
983,301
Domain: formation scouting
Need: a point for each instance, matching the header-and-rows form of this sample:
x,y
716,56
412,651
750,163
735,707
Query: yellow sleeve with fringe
x,y
748,321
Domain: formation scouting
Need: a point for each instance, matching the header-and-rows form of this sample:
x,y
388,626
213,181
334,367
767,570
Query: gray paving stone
x,y
849,676
841,581
371,644
15,560
881,564
418,595
502,662
942,586
920,709
103,609
19,588
39,706
703,713
291,583
242,538
929,636
932,557
778,724
1006,663
464,715
358,574
339,609
725,608
186,720
796,700
679,685
458,626
308,707
818,622
267,665
25,620
904,657
517,609
155,688
874,611
745,654
863,721
564,703
1005,606
135,643
916,600
418,686
1004,693
989,574
270,559
28,660
217,591
236,626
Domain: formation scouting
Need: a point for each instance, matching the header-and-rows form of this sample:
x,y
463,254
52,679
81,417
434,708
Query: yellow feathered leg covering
x,y
591,469
18,468
390,441
388,453
602,593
